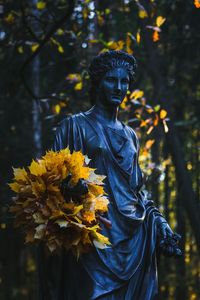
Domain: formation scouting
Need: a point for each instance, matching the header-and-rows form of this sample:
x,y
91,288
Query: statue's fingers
x,y
177,237
178,252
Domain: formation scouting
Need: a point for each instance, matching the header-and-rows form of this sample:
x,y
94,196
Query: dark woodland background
x,y
46,47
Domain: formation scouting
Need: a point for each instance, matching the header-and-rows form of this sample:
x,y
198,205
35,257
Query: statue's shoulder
x,y
133,134
72,120
131,131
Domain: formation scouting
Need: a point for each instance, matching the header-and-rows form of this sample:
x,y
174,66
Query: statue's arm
x,y
167,239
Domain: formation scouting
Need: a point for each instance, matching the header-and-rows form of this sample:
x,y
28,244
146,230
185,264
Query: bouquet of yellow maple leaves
x,y
46,215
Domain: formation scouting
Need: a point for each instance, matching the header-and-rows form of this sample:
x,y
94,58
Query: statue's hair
x,y
107,61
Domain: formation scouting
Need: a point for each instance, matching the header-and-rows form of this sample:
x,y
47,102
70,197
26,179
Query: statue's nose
x,y
118,85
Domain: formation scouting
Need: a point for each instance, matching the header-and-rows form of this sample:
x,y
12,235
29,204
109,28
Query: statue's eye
x,y
110,79
126,81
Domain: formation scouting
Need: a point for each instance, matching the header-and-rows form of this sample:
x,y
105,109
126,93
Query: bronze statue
x,y
127,270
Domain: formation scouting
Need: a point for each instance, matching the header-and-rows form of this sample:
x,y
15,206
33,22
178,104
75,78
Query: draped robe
x,y
126,270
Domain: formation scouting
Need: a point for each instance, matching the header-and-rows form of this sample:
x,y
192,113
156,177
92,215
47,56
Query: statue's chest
x,y
116,145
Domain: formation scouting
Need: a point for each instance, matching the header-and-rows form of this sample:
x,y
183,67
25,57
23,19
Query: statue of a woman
x,y
127,269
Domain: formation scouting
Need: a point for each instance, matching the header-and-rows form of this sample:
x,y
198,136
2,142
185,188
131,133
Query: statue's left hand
x,y
79,189
168,240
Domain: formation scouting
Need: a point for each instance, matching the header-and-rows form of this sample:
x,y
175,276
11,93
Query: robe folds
x,y
126,270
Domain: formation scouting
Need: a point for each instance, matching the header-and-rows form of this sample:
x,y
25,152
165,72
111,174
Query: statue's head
x,y
108,65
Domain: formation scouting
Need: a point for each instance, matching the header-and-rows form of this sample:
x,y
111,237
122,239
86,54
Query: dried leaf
x,y
40,231
62,223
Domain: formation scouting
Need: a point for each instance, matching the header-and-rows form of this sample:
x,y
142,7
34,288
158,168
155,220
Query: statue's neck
x,y
108,115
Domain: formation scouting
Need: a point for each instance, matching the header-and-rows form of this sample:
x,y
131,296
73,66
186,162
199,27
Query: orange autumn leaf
x,y
163,113
155,36
143,123
156,120
197,3
149,144
128,43
89,216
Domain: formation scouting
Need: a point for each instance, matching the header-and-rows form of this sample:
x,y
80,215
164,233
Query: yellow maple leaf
x,y
15,187
34,47
20,49
37,168
138,36
100,20
160,20
101,204
73,77
89,216
124,103
56,109
40,5
20,174
100,241
136,94
38,187
60,31
96,190
142,14
10,18
85,13
61,49
78,86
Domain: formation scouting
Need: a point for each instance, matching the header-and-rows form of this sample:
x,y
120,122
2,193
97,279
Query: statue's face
x,y
113,87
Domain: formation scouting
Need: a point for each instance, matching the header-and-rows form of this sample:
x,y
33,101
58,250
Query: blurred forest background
x,y
46,47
